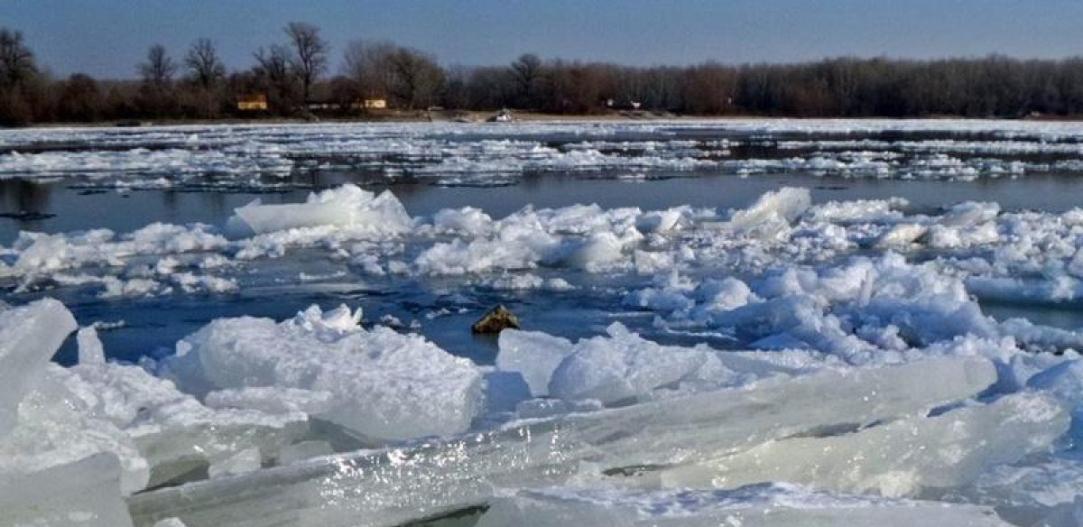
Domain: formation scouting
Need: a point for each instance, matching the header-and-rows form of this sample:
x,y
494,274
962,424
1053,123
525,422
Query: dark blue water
x,y
75,209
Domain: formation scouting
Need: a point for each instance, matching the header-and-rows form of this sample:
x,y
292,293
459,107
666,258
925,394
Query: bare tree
x,y
156,94
309,60
527,72
275,73
16,59
204,65
417,78
369,64
80,99
273,64
159,69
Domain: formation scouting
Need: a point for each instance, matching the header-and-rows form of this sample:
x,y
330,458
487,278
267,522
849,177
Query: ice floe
x,y
260,156
382,384
846,347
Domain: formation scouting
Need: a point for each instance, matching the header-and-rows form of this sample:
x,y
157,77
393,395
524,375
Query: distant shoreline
x,y
480,117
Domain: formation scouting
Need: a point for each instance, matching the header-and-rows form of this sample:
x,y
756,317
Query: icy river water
x,y
687,291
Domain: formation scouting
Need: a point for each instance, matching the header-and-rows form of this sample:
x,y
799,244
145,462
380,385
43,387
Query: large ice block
x,y
29,337
347,206
900,458
400,484
56,428
771,214
383,384
769,505
621,367
173,431
534,355
84,493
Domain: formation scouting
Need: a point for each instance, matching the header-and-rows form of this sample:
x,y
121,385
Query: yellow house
x,y
369,104
252,103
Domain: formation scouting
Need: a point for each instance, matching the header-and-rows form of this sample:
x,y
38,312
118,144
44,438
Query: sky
x,y
107,38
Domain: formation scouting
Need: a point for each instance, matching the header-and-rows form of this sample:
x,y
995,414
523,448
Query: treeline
x,y
293,77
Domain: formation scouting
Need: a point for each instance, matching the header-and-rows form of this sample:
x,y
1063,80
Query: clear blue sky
x,y
107,37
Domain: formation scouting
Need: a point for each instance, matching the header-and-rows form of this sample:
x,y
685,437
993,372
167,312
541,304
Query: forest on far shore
x,y
300,76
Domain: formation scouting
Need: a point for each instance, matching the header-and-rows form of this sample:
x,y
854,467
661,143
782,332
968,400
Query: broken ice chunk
x,y
620,367
771,215
347,206
1065,382
85,493
901,235
660,221
534,355
397,485
271,400
246,460
896,459
90,346
176,435
1031,493
56,428
29,336
384,385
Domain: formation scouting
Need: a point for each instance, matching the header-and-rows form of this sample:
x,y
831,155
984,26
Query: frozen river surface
x,y
744,322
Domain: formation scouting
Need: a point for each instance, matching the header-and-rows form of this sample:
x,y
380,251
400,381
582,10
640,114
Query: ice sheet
x,y
399,484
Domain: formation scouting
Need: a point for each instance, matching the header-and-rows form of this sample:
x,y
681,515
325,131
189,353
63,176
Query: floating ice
x,y
534,355
383,385
835,291
157,157
620,367
772,214
346,206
